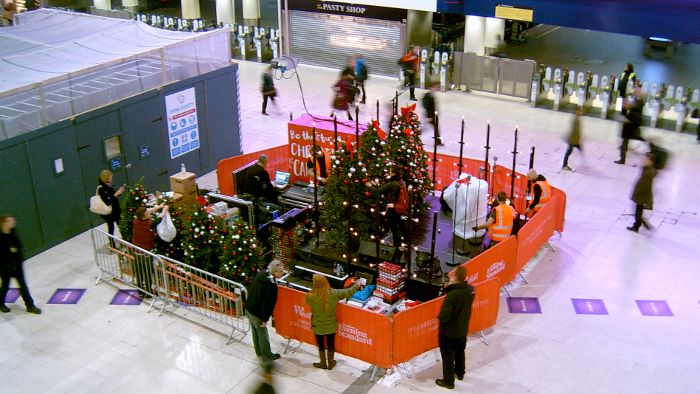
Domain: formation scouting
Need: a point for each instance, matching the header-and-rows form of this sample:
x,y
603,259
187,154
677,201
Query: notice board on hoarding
x,y
183,127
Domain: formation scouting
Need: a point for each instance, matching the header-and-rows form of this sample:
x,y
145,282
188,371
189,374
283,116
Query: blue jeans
x,y
261,341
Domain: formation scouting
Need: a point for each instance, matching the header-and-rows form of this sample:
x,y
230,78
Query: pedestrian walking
x,y
431,110
632,122
268,89
109,196
643,194
453,326
410,63
11,265
344,94
323,301
262,298
361,73
574,139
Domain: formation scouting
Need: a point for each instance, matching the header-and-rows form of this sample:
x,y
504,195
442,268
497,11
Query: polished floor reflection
x,y
95,347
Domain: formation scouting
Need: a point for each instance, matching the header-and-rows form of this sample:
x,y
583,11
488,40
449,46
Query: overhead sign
x,y
360,10
183,129
514,13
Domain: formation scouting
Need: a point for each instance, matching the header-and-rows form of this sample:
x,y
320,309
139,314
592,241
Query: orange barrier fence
x,y
362,334
485,306
496,262
277,160
560,210
536,232
501,183
447,169
415,330
375,338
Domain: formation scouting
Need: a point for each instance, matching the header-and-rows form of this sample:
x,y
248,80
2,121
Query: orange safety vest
x,y
501,228
545,196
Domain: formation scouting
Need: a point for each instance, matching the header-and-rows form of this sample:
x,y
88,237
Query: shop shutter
x,y
328,40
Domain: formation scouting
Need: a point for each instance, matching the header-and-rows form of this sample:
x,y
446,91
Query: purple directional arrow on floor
x,y
126,297
654,308
524,305
594,306
12,295
66,296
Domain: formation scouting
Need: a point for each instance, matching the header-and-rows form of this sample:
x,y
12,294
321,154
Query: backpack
x,y
401,204
362,75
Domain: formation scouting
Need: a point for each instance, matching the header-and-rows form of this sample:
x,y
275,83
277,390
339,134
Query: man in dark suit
x,y
454,323
431,110
258,181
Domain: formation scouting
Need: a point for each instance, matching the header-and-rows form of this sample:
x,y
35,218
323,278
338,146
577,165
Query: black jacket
x,y
643,193
262,296
456,310
10,252
106,192
429,105
258,183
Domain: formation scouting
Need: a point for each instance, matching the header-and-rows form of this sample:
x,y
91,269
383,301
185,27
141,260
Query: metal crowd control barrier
x,y
495,75
171,283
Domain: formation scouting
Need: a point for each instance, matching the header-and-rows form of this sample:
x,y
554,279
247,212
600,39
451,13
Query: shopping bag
x,y
166,229
98,206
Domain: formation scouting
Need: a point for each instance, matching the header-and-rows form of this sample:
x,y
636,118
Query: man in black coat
x,y
454,323
261,301
632,123
11,264
430,110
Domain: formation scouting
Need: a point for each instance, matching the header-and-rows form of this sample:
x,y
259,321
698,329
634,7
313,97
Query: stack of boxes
x,y
390,284
185,190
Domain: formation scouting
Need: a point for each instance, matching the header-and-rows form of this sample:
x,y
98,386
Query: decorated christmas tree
x,y
134,197
348,197
241,253
405,150
200,240
339,191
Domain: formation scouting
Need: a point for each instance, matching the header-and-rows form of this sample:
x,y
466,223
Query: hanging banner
x,y
183,129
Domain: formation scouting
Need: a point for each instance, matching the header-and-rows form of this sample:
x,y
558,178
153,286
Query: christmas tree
x,y
241,253
172,249
200,240
405,151
134,197
338,193
348,197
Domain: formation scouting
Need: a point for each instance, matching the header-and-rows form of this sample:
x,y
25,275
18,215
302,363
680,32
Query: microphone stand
x,y
512,171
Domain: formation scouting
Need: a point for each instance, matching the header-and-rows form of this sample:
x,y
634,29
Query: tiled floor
x,y
96,347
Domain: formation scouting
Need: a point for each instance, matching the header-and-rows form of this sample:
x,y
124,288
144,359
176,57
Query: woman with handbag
x,y
109,197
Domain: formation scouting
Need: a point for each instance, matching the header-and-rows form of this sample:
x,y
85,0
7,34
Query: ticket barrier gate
x,y
444,60
423,67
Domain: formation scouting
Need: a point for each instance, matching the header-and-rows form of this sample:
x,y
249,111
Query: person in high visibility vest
x,y
500,222
541,190
626,76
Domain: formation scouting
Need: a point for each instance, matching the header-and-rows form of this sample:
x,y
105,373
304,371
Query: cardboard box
x,y
179,201
183,183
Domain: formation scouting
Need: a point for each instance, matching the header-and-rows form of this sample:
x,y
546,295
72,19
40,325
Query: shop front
x,y
326,34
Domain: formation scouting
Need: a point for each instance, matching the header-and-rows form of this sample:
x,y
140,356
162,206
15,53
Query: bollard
x,y
557,94
423,68
443,72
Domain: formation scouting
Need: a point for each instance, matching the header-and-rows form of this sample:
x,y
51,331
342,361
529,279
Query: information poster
x,y
183,129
